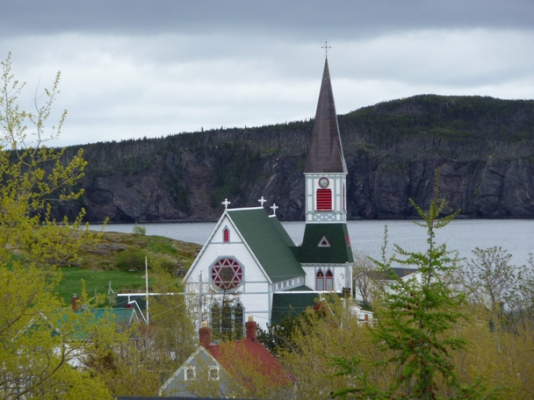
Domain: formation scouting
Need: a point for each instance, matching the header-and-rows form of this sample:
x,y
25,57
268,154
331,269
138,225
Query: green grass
x,y
162,245
97,280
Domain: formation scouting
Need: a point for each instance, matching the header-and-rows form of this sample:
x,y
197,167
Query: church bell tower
x,y
326,253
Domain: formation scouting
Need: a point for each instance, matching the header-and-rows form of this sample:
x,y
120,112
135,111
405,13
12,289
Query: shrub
x,y
139,230
133,258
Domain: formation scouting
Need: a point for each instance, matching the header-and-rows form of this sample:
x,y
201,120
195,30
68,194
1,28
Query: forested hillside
x,y
483,146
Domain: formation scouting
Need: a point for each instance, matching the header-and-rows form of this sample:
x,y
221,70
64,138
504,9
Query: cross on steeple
x,y
262,200
326,47
226,203
274,207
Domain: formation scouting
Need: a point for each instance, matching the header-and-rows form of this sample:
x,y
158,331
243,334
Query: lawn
x,y
99,264
98,281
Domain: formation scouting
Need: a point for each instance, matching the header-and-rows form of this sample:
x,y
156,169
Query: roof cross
x,y
226,203
274,207
326,47
262,200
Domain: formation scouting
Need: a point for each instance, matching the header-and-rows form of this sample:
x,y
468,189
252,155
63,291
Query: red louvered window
x,y
226,235
324,200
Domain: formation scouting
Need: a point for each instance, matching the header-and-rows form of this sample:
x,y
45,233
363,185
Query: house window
x,y
227,321
329,280
319,280
226,235
324,200
213,373
190,373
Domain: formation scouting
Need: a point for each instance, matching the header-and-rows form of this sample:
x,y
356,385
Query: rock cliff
x,y
483,147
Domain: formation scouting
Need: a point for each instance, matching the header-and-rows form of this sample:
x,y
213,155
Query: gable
x,y
201,360
314,249
216,246
269,242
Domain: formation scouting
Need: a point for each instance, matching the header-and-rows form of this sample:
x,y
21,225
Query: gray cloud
x,y
133,68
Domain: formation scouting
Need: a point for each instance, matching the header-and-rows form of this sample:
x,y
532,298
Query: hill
x,y
118,260
483,146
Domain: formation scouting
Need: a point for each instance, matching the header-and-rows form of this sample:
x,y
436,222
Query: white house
x,y
249,264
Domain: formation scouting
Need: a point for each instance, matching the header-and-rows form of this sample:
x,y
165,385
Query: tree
x,y
39,337
154,351
362,270
415,321
490,279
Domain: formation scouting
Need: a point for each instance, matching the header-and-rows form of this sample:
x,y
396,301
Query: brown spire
x,y
326,153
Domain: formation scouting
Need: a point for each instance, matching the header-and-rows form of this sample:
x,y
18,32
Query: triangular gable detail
x,y
227,222
223,220
187,363
324,242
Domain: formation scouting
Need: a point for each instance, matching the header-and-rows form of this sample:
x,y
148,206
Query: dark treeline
x,y
484,148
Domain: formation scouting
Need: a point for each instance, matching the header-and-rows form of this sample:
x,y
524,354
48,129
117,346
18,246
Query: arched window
x,y
324,200
215,319
226,235
329,280
227,321
319,280
238,321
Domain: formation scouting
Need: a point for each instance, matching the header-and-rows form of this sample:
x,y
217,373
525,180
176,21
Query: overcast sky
x,y
132,68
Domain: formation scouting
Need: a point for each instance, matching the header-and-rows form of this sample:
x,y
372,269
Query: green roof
x,y
338,250
292,304
122,316
269,242
302,288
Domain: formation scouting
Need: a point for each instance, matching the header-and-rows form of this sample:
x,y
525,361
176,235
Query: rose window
x,y
226,274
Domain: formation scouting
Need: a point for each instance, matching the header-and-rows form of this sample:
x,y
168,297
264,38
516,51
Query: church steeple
x,y
326,152
326,253
325,169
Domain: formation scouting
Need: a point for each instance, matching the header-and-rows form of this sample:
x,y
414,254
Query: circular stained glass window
x,y
226,273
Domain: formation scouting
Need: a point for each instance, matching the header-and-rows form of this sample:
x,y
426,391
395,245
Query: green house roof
x,y
336,249
291,304
269,242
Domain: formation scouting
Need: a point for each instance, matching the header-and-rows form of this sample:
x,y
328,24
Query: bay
x,y
367,237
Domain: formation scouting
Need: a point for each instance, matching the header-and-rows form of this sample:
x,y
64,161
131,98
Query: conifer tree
x,y
414,319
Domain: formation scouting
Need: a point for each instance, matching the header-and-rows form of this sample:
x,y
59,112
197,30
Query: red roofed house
x,y
243,369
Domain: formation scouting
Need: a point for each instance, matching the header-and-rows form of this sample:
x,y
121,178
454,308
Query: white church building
x,y
249,264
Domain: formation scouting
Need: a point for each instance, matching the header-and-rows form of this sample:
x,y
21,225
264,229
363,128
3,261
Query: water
x,y
516,236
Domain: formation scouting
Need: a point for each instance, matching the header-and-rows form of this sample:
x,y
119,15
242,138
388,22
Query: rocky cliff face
x,y
392,152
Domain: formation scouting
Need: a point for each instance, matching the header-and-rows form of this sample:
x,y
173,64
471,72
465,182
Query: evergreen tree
x,y
414,321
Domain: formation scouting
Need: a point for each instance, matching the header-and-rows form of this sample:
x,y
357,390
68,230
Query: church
x,y
250,266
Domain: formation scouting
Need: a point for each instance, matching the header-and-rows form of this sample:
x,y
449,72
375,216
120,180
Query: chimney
x,y
76,302
204,335
250,327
